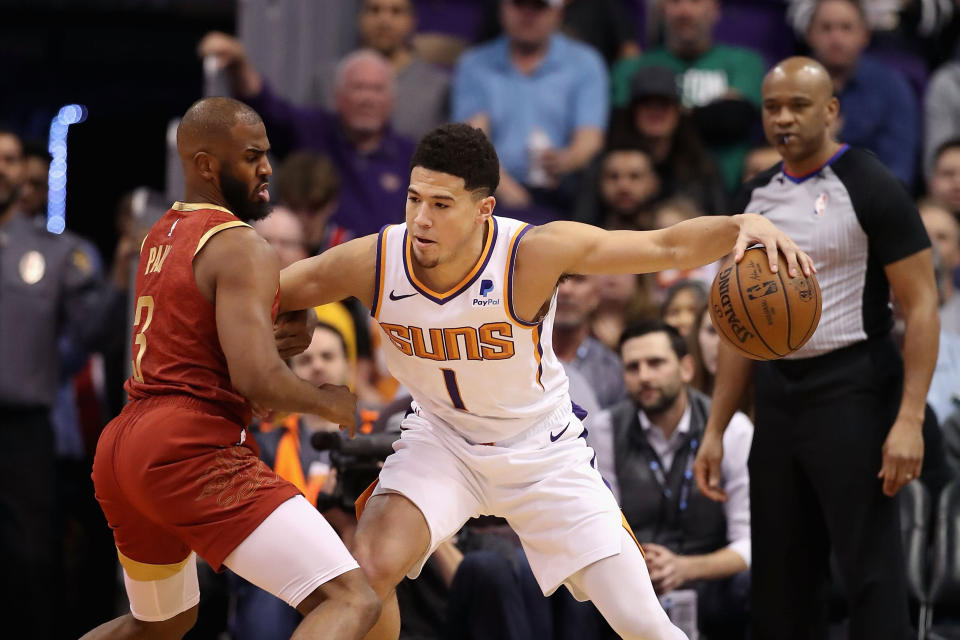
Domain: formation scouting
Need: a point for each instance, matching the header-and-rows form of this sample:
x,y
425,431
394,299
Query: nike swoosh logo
x,y
554,438
395,297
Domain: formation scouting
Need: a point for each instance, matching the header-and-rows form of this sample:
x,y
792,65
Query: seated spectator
x,y
309,185
542,99
944,232
900,25
656,121
941,104
576,301
684,302
944,184
720,83
283,231
758,160
423,89
622,298
372,159
626,187
704,345
691,541
878,109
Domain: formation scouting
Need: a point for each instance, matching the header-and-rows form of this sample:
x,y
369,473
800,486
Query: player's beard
x,y
238,199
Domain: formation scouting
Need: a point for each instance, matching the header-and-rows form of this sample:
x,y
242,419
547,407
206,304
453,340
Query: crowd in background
x,y
589,127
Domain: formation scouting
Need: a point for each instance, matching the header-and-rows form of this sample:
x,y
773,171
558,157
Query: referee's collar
x,y
798,179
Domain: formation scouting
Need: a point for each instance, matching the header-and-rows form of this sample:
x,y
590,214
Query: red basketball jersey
x,y
176,349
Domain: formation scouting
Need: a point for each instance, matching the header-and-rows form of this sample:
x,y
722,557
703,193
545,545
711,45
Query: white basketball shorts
x,y
544,482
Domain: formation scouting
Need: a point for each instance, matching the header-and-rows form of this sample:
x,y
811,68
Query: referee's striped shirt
x,y
853,217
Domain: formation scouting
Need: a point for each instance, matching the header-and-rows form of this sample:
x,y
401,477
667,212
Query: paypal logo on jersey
x,y
486,286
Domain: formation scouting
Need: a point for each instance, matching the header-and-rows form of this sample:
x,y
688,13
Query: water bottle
x,y
537,143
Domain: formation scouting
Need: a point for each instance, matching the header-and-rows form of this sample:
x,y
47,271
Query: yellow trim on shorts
x,y
142,572
217,229
626,525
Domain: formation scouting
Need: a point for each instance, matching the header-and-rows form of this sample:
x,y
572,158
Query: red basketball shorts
x,y
174,473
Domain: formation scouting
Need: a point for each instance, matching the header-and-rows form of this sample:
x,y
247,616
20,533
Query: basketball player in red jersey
x,y
175,474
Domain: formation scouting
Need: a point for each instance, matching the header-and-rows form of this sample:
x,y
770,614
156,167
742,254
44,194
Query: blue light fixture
x,y
57,177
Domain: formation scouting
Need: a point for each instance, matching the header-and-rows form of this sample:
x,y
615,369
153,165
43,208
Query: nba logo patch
x,y
820,205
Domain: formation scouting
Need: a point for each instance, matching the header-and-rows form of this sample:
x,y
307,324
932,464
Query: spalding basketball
x,y
764,315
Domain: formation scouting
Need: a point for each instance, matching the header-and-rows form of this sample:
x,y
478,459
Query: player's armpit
x,y
349,269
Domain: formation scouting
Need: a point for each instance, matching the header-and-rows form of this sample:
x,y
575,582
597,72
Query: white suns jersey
x,y
463,354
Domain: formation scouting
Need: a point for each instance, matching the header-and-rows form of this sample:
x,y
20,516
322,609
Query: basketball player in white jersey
x,y
466,302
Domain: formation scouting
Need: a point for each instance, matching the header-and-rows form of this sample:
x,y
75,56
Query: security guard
x,y
47,290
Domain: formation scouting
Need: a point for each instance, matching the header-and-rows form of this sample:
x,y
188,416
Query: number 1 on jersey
x,y
453,389
143,302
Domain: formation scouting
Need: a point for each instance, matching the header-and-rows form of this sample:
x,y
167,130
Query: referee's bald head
x,y
802,73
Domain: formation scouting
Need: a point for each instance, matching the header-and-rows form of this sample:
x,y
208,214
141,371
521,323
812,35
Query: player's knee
x,y
171,629
348,592
383,570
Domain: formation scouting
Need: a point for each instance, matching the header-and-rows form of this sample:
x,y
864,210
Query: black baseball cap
x,y
654,82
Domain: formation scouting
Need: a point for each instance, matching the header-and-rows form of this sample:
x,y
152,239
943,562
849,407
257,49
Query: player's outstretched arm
x,y
244,270
346,270
583,249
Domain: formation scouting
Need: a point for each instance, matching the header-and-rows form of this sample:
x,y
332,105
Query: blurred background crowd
x,y
625,114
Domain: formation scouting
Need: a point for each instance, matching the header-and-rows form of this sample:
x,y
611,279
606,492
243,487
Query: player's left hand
x,y
902,455
293,332
755,229
668,571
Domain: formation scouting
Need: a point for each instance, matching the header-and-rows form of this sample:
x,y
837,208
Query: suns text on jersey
x,y
491,341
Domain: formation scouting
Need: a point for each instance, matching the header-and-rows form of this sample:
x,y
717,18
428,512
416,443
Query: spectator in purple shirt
x,y
372,159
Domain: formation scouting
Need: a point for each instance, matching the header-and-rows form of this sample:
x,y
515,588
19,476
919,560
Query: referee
x,y
838,424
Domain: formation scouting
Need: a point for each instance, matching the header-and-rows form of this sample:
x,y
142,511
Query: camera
x,y
357,461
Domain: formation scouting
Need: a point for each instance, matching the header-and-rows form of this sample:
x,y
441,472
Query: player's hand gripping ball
x,y
764,315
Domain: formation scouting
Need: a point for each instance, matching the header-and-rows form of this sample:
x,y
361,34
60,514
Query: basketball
x,y
764,315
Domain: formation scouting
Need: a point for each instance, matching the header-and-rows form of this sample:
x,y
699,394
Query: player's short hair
x,y
462,151
647,326
952,143
214,117
307,180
